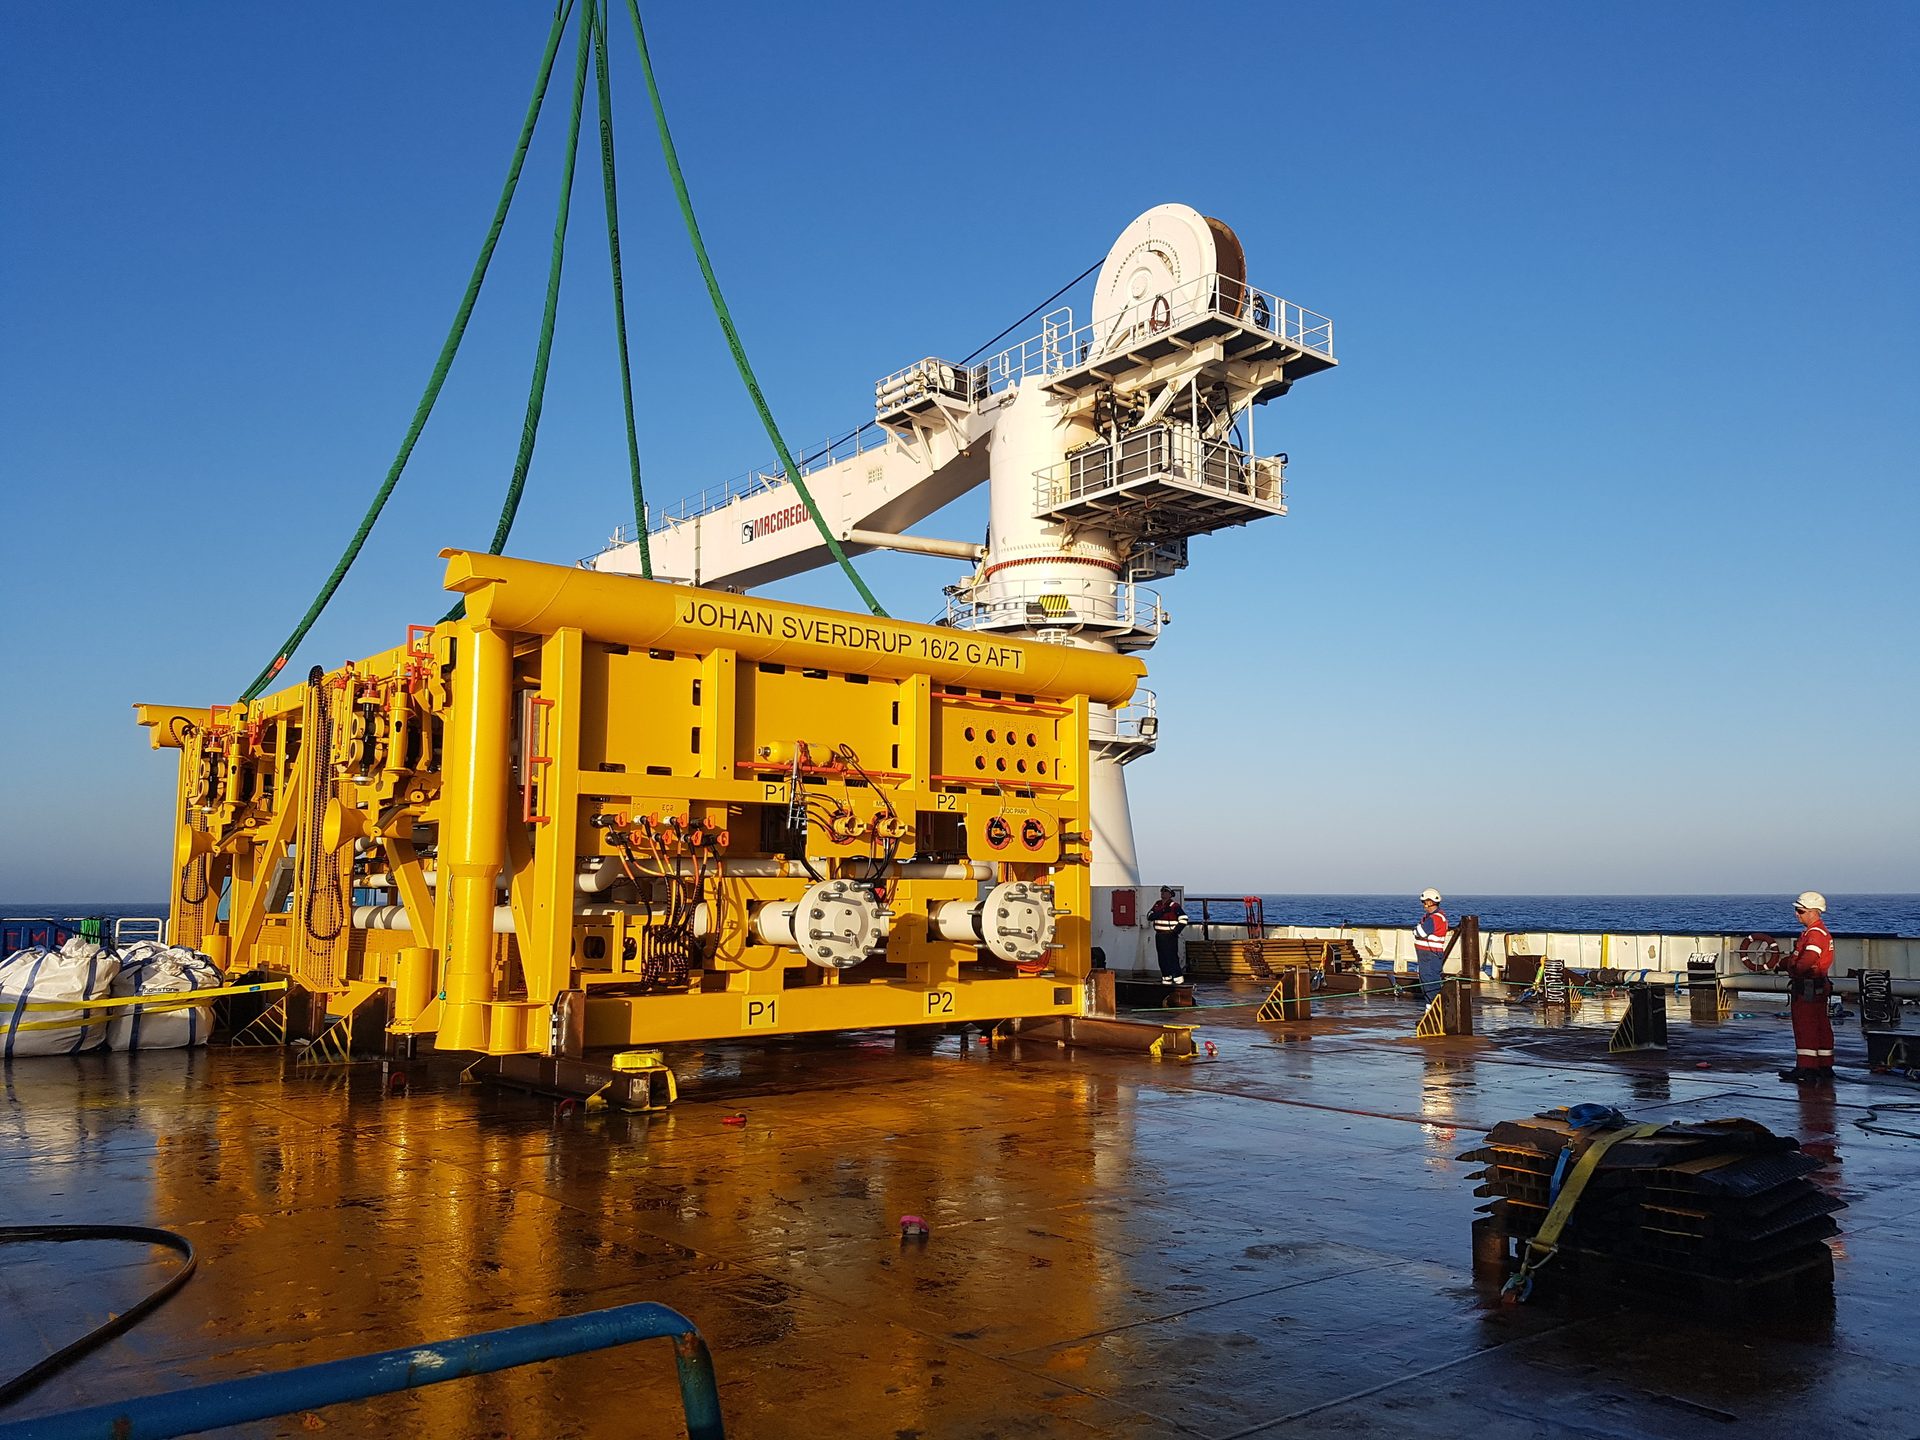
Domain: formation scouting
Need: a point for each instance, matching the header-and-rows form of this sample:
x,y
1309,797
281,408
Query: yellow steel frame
x,y
477,780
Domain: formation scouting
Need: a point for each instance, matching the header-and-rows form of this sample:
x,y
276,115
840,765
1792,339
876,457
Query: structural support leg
x,y
473,839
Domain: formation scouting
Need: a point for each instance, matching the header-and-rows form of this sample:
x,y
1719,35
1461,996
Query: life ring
x,y
1760,952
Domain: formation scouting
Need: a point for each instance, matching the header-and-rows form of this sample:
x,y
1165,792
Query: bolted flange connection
x,y
1013,921
835,924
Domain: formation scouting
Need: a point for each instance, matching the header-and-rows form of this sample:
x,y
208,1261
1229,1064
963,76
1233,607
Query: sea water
x,y
1619,914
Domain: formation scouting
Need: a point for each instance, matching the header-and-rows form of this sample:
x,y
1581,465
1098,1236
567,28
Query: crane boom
x,y
755,532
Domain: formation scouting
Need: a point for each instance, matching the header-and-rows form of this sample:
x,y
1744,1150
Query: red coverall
x,y
1808,988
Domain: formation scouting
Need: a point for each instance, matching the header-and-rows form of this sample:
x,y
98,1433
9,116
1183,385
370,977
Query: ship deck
x,y
1272,1241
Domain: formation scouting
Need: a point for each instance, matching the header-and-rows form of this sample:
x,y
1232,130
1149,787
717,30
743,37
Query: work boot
x,y
1823,1076
1796,1075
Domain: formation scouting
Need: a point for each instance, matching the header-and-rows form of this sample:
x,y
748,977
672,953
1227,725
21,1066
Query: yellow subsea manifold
x,y
603,810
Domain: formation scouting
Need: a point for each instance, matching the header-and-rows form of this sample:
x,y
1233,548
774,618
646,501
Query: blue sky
x,y
1599,573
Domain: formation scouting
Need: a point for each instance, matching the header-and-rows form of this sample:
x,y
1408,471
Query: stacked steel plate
x,y
1719,1212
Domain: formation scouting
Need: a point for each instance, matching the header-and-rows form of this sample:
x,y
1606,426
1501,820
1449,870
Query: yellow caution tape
x,y
171,999
74,1024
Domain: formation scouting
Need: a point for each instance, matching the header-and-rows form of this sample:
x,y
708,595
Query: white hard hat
x,y
1433,895
1811,900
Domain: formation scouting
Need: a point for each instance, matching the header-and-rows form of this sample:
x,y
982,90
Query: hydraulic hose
x,y
543,351
441,366
36,1375
598,15
725,318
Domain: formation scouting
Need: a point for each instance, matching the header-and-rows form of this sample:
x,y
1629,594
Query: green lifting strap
x,y
441,366
543,352
605,98
791,470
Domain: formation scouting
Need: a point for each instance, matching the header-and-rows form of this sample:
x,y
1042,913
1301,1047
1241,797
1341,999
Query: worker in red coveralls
x,y
1808,987
1430,943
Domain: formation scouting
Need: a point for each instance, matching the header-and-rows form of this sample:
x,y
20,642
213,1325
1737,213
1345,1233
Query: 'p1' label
x,y
761,1012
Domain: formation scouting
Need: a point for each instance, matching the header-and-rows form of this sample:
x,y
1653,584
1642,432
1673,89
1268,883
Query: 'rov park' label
x,y
846,635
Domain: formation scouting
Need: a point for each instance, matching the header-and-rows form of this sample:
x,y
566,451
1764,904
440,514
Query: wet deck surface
x,y
1273,1241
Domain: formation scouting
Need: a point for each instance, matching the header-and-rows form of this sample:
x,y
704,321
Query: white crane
x,y
1104,446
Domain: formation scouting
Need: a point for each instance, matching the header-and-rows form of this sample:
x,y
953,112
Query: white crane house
x,y
1105,446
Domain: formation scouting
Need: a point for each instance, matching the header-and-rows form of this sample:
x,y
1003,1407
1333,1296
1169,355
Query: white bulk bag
x,y
78,970
150,968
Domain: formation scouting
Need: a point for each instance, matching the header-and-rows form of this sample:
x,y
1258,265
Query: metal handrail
x,y
1252,917
262,1397
130,928
754,482
1174,450
1060,347
22,932
1135,723
1057,604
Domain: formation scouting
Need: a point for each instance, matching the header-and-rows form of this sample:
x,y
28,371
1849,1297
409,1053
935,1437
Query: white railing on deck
x,y
716,497
129,928
1176,451
1058,604
1135,723
1060,347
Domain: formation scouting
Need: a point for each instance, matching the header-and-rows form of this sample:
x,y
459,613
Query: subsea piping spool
x,y
835,924
1014,921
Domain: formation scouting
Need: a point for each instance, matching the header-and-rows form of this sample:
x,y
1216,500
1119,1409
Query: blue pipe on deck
x,y
262,1397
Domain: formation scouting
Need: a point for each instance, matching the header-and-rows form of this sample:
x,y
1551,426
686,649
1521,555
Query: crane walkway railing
x,y
869,436
1135,724
1063,603
1058,349
1061,348
311,1387
1162,452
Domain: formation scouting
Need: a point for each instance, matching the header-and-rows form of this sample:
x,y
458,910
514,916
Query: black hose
x,y
36,1375
1870,1122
